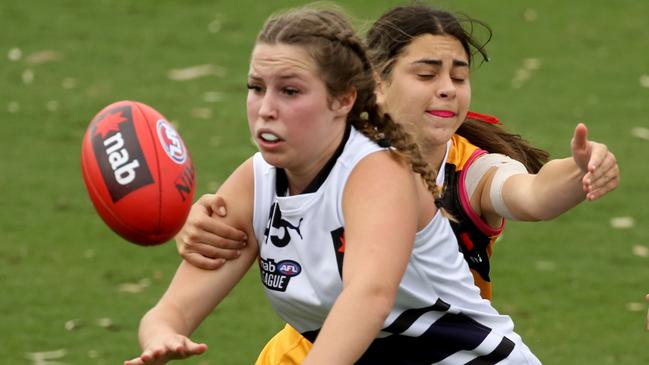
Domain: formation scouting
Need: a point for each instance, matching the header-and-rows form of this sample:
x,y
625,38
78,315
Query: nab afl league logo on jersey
x,y
276,275
118,153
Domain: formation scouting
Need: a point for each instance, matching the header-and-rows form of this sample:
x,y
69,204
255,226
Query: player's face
x,y
290,115
428,90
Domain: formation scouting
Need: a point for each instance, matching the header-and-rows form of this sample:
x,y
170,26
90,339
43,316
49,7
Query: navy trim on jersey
x,y
408,317
451,333
500,353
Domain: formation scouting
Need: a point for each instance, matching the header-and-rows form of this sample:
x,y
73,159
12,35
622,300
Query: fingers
x,y
193,348
174,347
602,186
603,178
205,201
218,206
179,347
136,361
600,158
204,262
581,147
602,161
580,138
212,251
227,232
210,255
203,229
213,234
203,235
598,193
148,357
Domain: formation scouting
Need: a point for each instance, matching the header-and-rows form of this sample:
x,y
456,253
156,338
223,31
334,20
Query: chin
x,y
438,137
272,159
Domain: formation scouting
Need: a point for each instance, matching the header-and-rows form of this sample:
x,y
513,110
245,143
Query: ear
x,y
343,104
380,95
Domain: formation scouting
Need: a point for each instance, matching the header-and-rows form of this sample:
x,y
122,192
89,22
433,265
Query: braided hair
x,y
340,55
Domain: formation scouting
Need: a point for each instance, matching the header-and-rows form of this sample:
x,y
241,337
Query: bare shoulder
x,y
383,184
238,189
380,170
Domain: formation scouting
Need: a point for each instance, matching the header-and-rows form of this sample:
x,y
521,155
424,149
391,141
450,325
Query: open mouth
x,y
268,137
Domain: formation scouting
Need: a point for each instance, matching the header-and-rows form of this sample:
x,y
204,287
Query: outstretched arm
x,y
559,185
193,293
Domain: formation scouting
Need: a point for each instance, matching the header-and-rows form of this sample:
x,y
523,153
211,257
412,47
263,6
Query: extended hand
x,y
170,347
599,164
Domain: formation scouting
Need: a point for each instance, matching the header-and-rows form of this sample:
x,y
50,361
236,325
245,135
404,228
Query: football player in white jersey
x,y
408,44
303,107
325,151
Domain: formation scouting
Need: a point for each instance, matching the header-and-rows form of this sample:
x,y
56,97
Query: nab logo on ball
x,y
118,152
171,142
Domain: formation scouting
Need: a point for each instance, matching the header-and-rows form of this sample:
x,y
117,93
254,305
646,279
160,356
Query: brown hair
x,y
396,29
341,58
495,139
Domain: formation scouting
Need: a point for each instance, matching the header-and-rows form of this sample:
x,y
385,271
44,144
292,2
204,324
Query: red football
x,y
138,172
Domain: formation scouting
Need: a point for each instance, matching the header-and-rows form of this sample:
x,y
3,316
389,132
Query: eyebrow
x,y
290,76
281,77
436,62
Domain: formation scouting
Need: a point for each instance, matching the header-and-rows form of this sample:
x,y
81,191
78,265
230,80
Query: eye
x,y
426,76
290,91
254,88
460,76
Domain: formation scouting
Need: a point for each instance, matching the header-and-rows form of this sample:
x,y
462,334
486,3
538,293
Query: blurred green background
x,y
72,292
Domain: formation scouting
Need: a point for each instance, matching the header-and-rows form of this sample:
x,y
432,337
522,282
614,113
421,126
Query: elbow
x,y
384,303
381,299
376,299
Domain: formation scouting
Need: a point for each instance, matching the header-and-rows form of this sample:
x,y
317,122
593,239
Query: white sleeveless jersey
x,y
439,316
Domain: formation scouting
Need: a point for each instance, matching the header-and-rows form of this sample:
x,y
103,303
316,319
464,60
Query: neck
x,y
434,155
309,179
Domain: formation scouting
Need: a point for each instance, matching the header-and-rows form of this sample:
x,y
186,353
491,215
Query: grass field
x,y
72,291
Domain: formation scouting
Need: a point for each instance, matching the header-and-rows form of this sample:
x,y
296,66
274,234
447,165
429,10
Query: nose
x,y
446,87
267,109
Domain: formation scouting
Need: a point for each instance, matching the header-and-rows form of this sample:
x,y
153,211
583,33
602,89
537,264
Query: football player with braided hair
x,y
490,174
316,196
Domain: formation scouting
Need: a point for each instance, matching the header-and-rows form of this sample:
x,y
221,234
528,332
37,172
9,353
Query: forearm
x,y
353,323
162,320
556,188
